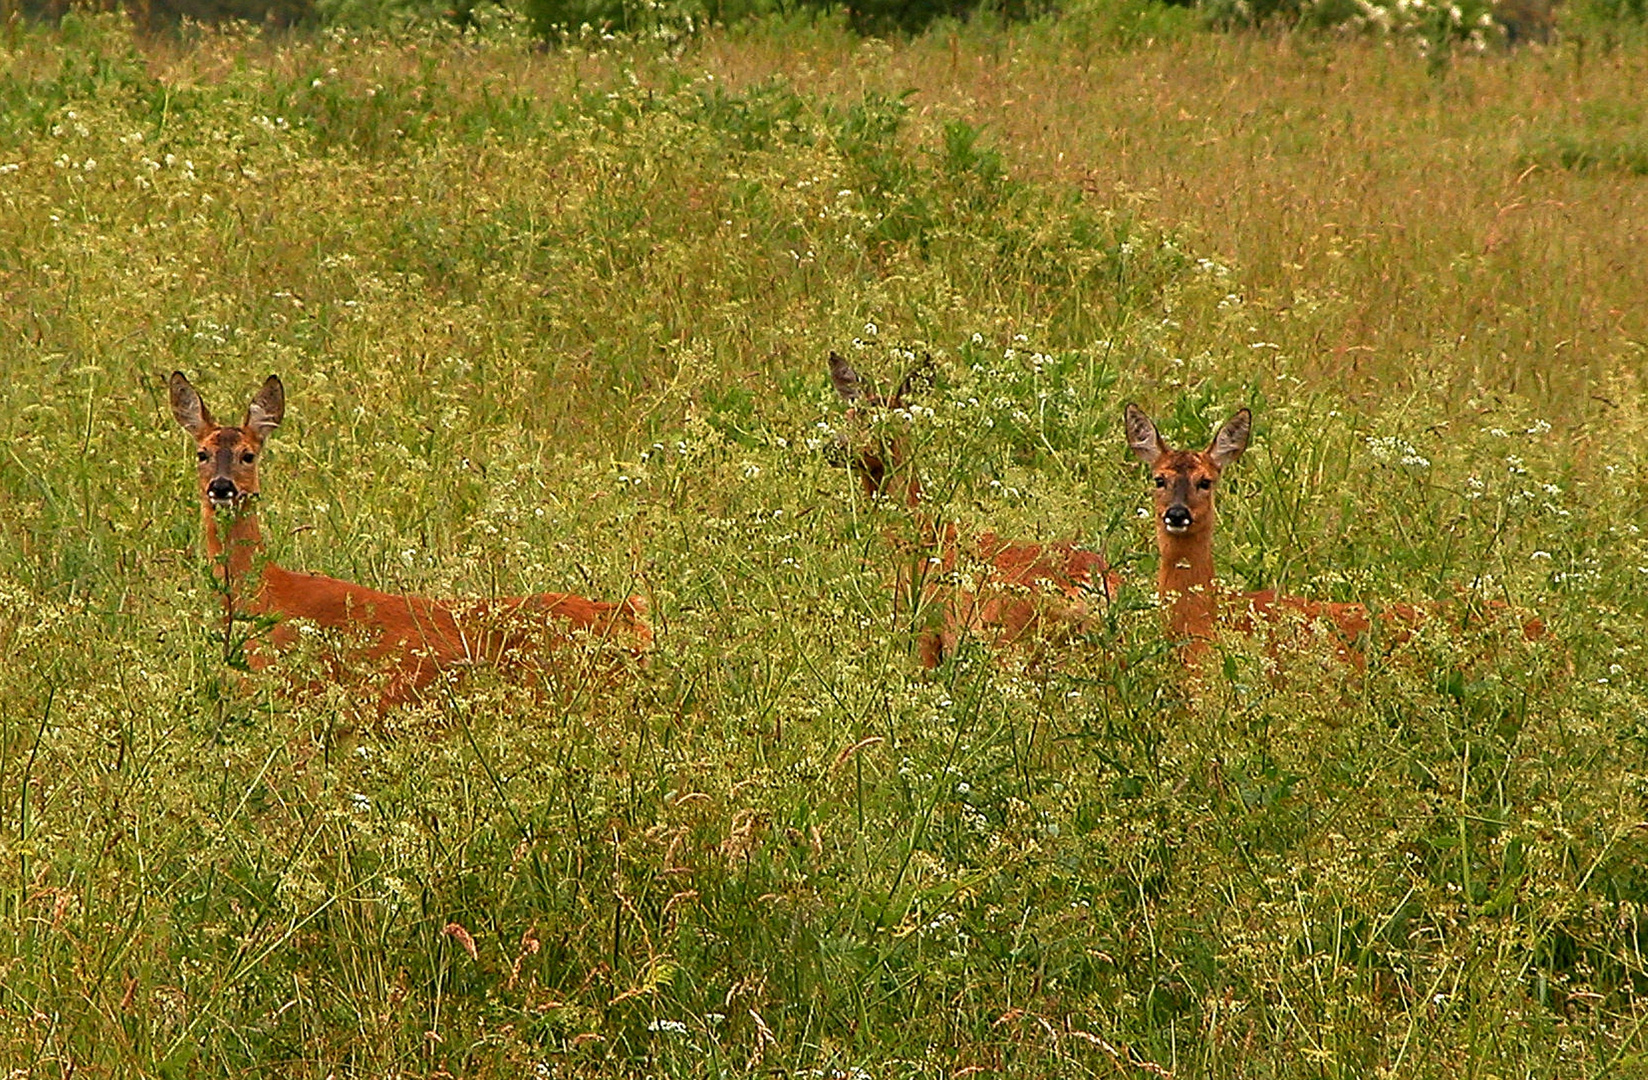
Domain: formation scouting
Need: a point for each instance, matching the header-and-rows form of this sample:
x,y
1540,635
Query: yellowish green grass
x,y
557,321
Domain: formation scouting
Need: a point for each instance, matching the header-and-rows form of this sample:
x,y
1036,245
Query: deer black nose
x,y
221,490
1177,518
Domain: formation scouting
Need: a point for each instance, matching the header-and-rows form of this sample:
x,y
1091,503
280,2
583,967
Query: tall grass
x,y
558,321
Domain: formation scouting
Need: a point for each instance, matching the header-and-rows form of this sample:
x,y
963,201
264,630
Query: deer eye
x,y
201,455
248,457
1203,484
1161,481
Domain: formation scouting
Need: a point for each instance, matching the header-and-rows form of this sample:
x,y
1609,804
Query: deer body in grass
x,y
1184,512
410,639
1021,591
1186,586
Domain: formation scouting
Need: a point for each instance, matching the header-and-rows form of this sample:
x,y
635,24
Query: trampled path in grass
x,y
558,321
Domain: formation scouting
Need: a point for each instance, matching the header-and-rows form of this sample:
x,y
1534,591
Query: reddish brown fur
x,y
1185,481
1027,591
410,638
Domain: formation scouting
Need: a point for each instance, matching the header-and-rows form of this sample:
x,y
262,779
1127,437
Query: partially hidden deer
x,y
1196,607
1016,592
409,639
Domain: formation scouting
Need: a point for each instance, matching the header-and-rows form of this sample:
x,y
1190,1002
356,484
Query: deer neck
x,y
234,543
1184,581
912,488
896,477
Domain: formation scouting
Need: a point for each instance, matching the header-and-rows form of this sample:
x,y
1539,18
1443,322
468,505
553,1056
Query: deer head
x,y
1185,479
874,458
227,457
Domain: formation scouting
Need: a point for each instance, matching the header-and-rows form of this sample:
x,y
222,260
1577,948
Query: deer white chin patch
x,y
1176,530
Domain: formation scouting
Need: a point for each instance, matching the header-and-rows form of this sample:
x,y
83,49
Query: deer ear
x,y
1142,437
187,407
845,379
916,380
1228,445
264,413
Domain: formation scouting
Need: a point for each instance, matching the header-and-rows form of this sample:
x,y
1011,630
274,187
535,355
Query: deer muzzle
x,y
222,493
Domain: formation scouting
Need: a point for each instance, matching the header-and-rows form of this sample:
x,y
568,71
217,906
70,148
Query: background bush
x,y
1436,26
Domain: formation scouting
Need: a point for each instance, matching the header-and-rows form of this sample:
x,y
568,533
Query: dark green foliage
x,y
158,14
1602,137
913,16
1624,153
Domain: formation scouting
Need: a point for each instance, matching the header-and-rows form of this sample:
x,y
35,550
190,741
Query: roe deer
x,y
411,638
1185,583
1026,591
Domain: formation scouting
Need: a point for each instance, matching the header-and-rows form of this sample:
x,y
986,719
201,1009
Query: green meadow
x,y
557,319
